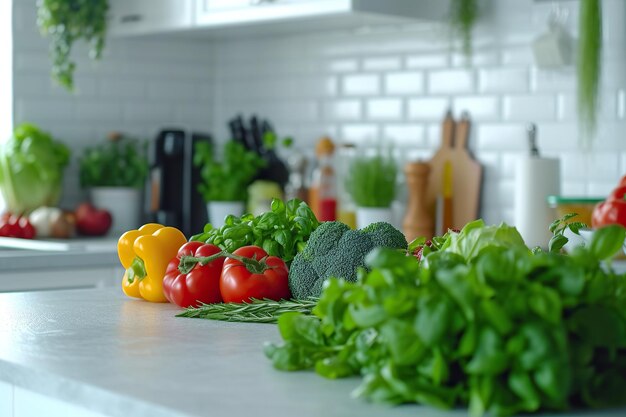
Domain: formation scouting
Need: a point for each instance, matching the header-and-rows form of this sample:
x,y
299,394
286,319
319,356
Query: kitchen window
x,y
6,74
6,70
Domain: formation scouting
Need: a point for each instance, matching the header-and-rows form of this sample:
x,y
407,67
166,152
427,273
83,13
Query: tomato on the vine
x,y
201,284
254,275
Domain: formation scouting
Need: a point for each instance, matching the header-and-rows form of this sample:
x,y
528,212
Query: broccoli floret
x,y
334,250
323,239
385,235
302,277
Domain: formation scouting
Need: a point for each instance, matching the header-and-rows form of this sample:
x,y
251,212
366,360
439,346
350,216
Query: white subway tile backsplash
x,y
360,133
47,112
427,61
173,90
404,83
477,59
384,109
501,137
480,108
603,165
405,135
342,65
451,82
600,188
518,55
553,81
573,189
98,111
342,110
154,112
574,166
528,108
361,84
381,64
428,108
503,80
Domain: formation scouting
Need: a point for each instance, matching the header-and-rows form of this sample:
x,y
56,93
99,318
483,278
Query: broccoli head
x,y
385,235
334,250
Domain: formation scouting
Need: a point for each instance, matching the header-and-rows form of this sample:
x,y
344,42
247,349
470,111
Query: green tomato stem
x,y
188,262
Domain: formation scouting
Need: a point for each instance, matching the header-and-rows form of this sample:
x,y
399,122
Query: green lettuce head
x,y
31,169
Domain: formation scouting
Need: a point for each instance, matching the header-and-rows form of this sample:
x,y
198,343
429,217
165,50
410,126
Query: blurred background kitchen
x,y
373,77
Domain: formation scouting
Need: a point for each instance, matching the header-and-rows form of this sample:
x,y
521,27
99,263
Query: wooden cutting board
x,y
466,173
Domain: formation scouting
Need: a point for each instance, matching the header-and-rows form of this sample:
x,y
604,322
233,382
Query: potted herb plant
x,y
225,182
115,173
371,182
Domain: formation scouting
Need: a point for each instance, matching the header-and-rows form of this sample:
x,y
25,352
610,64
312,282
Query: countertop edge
x,y
80,394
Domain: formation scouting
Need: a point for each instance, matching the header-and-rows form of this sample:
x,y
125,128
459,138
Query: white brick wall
x,y
396,84
393,84
138,87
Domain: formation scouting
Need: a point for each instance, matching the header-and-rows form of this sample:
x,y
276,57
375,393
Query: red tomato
x,y
10,227
612,210
201,284
239,284
28,230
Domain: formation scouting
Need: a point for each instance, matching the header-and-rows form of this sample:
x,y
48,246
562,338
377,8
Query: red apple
x,y
92,221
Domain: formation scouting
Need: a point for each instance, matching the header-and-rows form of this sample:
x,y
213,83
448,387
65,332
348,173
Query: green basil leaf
x,y
607,241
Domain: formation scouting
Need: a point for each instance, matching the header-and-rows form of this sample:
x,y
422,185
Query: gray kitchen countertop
x,y
78,253
123,357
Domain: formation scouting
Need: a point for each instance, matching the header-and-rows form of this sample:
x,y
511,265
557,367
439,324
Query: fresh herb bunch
x,y
371,180
463,16
500,329
558,228
589,66
66,21
120,162
281,232
256,311
227,180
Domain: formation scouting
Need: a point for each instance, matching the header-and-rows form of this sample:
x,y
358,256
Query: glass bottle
x,y
346,211
323,189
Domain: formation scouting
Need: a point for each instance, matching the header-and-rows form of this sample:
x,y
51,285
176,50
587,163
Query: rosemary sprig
x,y
256,311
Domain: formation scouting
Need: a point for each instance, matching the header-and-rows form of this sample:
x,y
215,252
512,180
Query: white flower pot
x,y
368,215
124,204
218,210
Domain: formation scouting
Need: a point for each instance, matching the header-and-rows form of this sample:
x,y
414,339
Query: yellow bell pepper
x,y
145,253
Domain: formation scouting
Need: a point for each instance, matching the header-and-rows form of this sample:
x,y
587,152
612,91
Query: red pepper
x,y
612,210
248,273
201,284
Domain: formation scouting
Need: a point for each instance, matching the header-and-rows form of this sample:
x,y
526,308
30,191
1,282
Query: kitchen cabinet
x,y
141,17
225,18
85,264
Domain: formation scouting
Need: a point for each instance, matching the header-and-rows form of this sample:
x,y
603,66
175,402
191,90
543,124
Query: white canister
x,y
368,215
124,204
218,210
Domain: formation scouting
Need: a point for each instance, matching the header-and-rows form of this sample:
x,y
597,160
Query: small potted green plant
x,y
115,173
371,182
225,182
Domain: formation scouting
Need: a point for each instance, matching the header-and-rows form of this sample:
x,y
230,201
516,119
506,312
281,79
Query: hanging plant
x,y
463,15
589,66
66,21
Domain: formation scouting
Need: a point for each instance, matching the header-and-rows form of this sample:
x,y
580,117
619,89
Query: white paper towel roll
x,y
535,179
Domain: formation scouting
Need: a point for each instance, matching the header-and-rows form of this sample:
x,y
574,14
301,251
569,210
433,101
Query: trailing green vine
x,y
463,15
589,66
66,21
